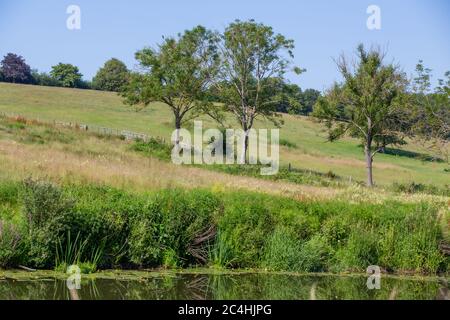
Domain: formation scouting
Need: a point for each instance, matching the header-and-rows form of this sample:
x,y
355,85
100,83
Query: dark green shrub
x,y
287,143
102,216
49,215
171,230
336,229
154,147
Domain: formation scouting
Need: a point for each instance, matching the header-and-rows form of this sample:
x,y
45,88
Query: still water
x,y
198,286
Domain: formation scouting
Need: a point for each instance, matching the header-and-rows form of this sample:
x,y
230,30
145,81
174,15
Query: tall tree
x,y
177,73
112,76
252,56
431,111
368,104
67,75
14,69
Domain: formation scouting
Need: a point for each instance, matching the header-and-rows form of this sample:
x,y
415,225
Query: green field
x,y
70,196
311,150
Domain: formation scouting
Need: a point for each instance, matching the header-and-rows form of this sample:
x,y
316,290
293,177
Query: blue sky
x,y
322,29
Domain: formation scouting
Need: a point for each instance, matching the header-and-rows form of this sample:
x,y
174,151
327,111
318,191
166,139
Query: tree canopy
x,y
67,75
368,104
112,76
431,111
14,69
177,73
253,58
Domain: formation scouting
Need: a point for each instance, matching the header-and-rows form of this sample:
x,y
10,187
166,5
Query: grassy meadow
x,y
72,196
305,145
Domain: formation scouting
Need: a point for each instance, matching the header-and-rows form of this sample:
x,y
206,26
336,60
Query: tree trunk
x,y
369,160
244,148
177,128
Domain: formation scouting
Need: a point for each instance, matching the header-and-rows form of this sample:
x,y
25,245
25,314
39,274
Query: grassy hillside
x,y
128,209
311,151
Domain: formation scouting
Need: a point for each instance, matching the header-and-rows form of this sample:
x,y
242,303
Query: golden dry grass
x,y
131,171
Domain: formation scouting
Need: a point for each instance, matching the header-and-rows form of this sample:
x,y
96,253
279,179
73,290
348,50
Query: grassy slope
x,y
312,152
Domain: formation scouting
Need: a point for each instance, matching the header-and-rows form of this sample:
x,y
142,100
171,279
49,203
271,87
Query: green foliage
x,y
413,187
314,255
287,143
253,62
336,229
170,229
49,215
369,104
282,251
360,250
178,73
244,227
106,228
154,147
11,249
112,76
44,79
431,111
66,75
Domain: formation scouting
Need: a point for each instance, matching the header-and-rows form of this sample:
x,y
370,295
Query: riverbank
x,y
50,226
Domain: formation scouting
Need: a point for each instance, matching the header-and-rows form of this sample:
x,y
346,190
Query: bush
x,y
102,218
154,147
107,227
49,216
336,229
287,143
172,228
413,187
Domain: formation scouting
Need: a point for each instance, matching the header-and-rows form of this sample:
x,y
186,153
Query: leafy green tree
x,y
308,99
369,104
178,74
431,111
112,76
252,58
67,75
43,79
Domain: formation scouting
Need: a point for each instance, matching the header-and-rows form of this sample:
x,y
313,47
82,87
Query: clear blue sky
x,y
410,29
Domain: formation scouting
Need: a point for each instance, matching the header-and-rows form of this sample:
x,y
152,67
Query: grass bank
x,y
44,225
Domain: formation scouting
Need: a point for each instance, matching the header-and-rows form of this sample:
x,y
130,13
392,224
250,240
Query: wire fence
x,y
125,134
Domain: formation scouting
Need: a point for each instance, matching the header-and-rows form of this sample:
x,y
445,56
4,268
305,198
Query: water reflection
x,y
226,286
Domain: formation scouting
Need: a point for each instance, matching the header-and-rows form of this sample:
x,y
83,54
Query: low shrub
x,y
154,147
49,215
106,227
287,143
175,228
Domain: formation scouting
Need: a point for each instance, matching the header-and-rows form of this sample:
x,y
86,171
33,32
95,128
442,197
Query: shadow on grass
x,y
412,154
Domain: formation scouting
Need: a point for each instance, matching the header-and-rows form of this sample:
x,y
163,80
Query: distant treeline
x,y
114,74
